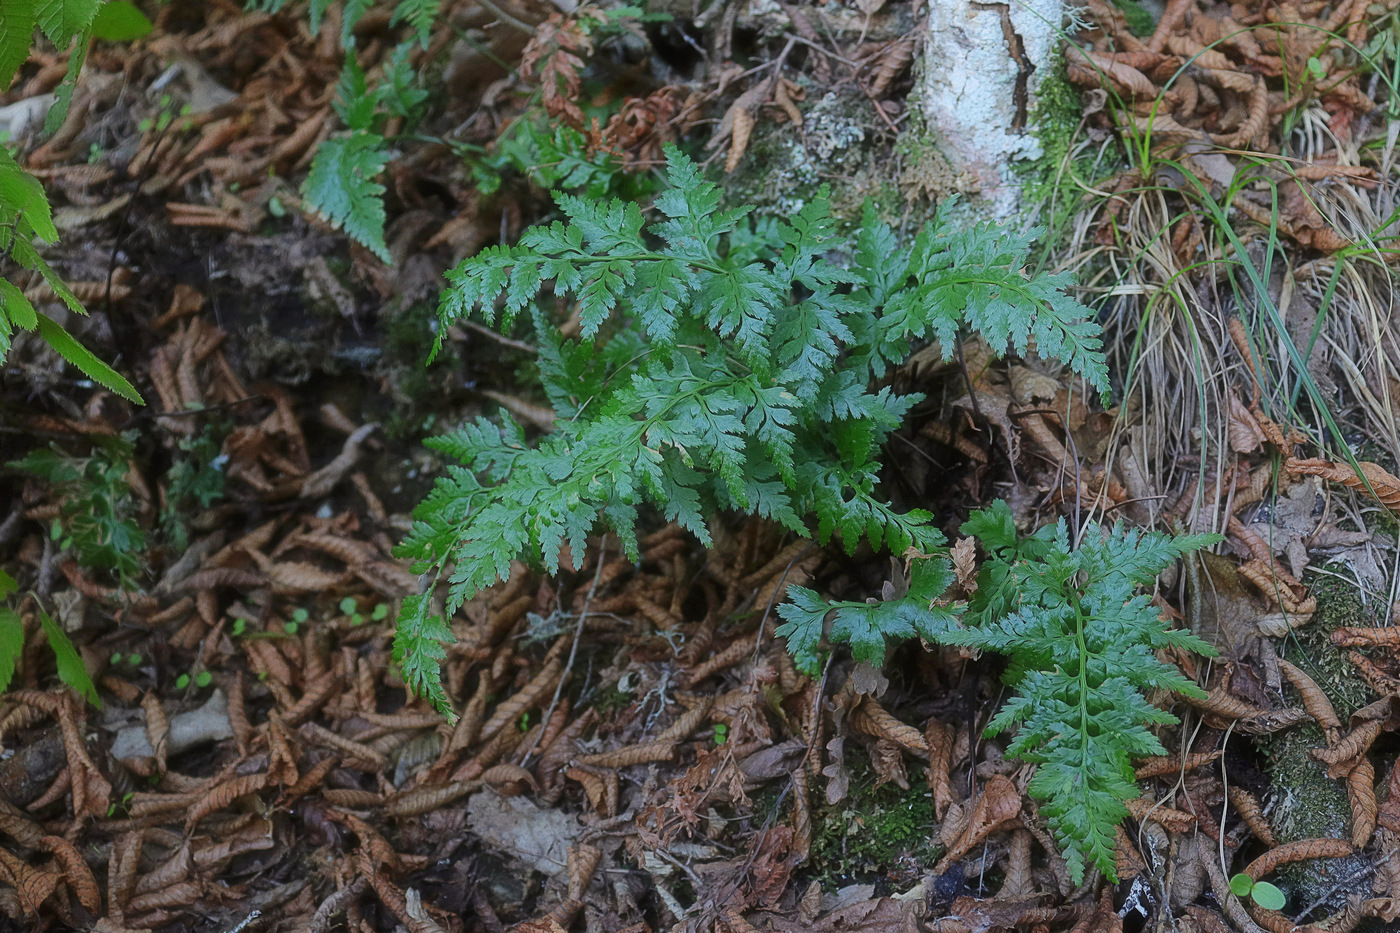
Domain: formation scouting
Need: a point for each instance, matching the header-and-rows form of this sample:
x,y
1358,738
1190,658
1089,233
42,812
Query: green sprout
x,y
1263,893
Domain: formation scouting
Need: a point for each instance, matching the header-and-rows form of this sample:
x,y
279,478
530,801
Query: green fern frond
x,y
1082,644
341,187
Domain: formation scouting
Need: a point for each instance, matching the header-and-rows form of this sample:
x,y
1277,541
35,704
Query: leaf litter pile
x,y
634,748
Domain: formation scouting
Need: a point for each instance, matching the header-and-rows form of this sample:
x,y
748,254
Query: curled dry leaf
x,y
964,554
1172,765
739,142
1253,815
630,755
1143,809
872,719
1296,852
527,697
999,802
1359,636
1314,700
225,794
76,872
939,738
1373,481
1361,790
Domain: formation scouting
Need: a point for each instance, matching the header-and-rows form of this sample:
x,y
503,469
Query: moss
x,y
875,833
1307,803
1053,120
1310,647
1310,805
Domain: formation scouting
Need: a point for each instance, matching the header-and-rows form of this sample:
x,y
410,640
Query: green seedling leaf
x,y
182,681
1268,896
203,679
1241,885
348,605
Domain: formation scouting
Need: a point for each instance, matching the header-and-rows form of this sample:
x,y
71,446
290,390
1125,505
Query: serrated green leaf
x,y
79,355
70,665
341,187
61,20
17,21
22,198
419,649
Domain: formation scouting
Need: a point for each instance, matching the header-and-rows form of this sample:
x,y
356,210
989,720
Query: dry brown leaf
x,y
998,803
1143,809
1361,789
739,142
427,799
1374,481
964,554
76,872
1252,814
526,698
1314,700
1296,852
1355,636
872,719
225,794
1164,765
630,755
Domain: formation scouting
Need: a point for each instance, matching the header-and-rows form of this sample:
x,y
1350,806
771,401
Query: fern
x,y
721,365
341,187
1081,641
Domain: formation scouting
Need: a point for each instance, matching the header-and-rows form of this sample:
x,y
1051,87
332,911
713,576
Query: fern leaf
x,y
419,14
866,626
350,16
419,650
1082,646
341,187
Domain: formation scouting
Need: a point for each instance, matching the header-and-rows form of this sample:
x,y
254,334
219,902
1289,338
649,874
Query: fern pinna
x,y
721,363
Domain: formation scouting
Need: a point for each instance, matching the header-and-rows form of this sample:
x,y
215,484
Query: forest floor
x,y
635,750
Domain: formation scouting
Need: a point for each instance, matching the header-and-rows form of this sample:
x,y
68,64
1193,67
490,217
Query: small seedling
x,y
291,626
182,681
348,605
380,613
721,733
239,627
1263,893
203,679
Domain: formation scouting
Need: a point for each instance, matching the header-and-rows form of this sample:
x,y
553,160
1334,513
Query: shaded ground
x,y
635,750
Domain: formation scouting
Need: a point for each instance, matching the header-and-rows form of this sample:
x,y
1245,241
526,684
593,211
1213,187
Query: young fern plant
x,y
720,365
1081,641
727,365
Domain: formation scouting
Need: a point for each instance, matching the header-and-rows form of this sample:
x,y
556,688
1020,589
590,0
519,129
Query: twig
x,y
511,342
827,52
506,18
